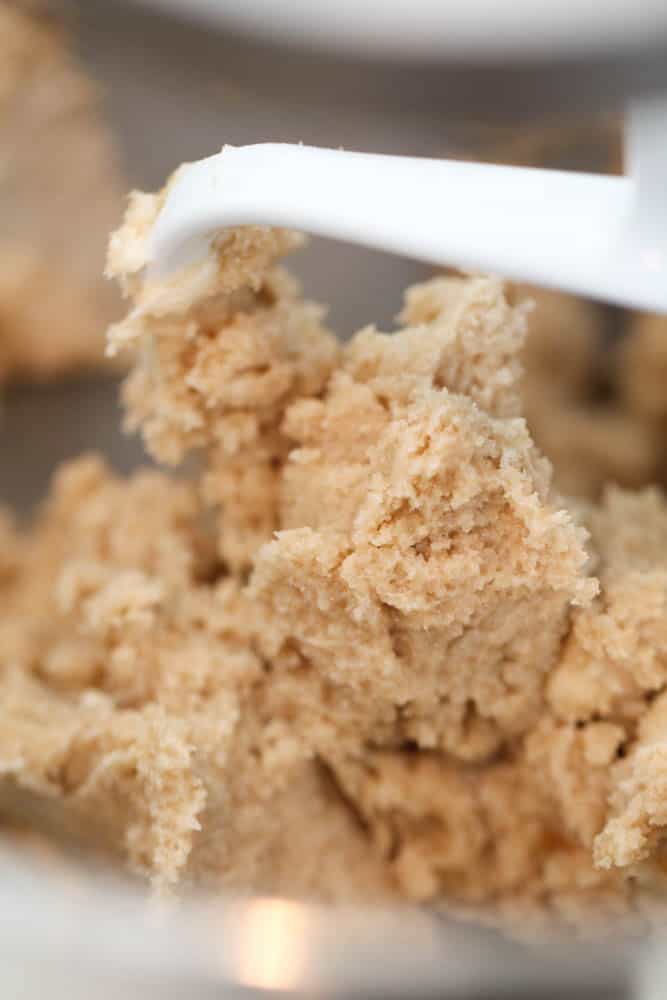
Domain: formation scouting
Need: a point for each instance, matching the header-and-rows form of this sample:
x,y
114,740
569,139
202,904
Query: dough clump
x,y
58,160
368,651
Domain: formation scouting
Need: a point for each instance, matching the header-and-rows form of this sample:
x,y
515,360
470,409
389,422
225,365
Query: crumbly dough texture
x,y
54,304
576,394
368,652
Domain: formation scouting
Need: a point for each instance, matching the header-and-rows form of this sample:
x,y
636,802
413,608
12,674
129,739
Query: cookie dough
x,y
54,303
581,373
576,401
368,652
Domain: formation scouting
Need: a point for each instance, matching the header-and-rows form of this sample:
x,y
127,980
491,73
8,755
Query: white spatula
x,y
600,236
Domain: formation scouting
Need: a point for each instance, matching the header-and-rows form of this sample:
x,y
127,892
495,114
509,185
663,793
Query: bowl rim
x,y
90,923
431,29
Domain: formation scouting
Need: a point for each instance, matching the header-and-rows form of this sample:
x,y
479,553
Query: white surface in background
x,y
439,28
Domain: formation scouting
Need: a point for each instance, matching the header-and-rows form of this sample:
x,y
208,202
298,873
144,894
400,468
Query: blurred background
x,y
101,96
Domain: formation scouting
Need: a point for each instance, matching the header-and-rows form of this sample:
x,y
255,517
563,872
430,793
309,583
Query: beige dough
x,y
369,652
60,194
